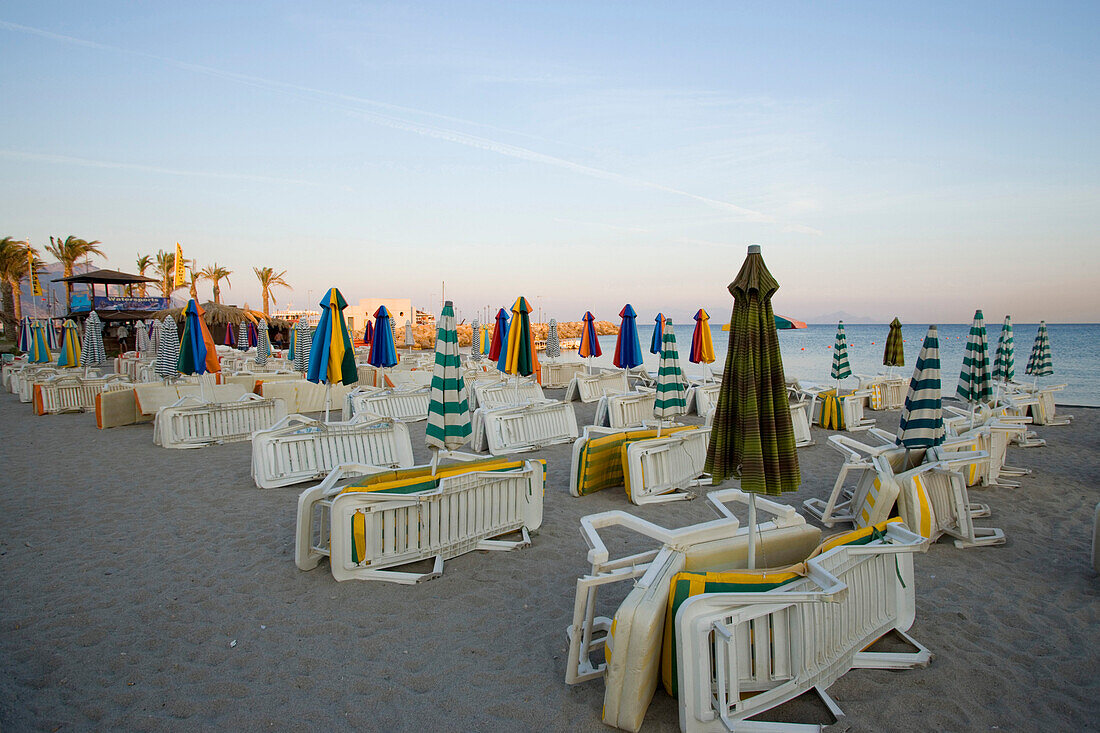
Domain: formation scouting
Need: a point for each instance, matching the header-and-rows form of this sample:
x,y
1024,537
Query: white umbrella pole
x,y
435,460
971,415
752,532
328,398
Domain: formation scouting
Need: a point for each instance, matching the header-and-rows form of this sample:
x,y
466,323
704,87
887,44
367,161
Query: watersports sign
x,y
125,303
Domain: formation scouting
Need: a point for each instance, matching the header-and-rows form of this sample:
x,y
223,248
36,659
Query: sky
x,y
920,160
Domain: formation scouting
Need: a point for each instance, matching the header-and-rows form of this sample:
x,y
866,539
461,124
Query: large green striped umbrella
x,y
671,395
922,416
974,380
1039,364
448,412
894,355
752,437
841,367
1004,363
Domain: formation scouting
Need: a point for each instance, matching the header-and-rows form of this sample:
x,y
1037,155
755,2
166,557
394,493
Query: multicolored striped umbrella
x,y
671,394
332,358
253,335
69,355
92,352
974,379
590,343
498,349
522,360
368,333
475,341
702,347
656,343
168,349
448,411
553,343
628,351
242,337
752,435
303,343
230,335
198,355
263,345
894,354
39,352
292,342
840,368
25,334
1004,362
382,352
1040,363
922,415
50,333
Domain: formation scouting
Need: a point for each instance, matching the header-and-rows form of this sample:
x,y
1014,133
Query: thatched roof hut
x,y
216,314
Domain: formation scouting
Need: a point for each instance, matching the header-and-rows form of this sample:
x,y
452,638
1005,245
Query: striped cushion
x,y
602,459
419,478
879,501
832,417
915,507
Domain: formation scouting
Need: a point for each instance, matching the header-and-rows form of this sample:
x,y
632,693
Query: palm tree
x,y
67,252
195,277
13,267
143,263
215,273
166,271
270,279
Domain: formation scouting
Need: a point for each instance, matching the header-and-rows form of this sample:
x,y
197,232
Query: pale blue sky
x,y
920,160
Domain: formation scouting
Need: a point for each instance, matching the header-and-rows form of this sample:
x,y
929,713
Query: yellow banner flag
x,y
36,287
180,276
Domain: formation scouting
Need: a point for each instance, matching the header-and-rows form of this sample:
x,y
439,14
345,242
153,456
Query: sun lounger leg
x,y
894,660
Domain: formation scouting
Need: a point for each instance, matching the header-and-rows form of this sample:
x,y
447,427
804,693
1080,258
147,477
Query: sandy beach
x,y
153,589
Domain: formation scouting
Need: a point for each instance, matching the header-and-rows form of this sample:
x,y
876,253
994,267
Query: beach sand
x,y
127,572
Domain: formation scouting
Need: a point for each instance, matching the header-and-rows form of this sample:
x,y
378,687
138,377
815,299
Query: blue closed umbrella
x,y
382,351
628,350
500,340
658,334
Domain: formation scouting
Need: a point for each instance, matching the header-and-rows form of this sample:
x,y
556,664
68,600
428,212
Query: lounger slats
x,y
630,410
662,465
403,405
505,430
197,425
591,387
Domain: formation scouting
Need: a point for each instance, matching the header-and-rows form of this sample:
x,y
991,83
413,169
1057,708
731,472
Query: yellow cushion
x,y
600,464
915,507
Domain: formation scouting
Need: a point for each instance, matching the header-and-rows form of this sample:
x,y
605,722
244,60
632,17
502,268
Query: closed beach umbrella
x,y
671,395
841,368
498,349
922,415
475,341
92,352
448,411
590,343
410,340
894,354
141,337
230,336
197,352
702,347
974,380
368,333
521,359
1004,363
628,351
1040,363
263,345
69,355
25,334
253,335
656,344
752,436
40,348
292,341
154,333
331,358
553,343
242,337
50,333
168,349
382,351
303,341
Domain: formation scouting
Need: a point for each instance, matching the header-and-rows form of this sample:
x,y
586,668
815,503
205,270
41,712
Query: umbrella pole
x,y
328,398
752,532
435,460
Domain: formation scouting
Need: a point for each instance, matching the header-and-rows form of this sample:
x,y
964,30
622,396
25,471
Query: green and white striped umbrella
x,y
1039,364
448,412
671,394
975,384
475,341
553,343
922,415
1004,363
841,367
894,354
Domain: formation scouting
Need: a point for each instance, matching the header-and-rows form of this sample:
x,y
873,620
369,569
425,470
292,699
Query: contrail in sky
x,y
398,123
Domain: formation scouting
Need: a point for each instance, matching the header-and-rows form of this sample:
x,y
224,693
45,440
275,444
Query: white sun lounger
x,y
191,423
72,392
629,410
702,398
32,374
663,469
851,405
406,405
367,533
885,392
993,437
507,393
1046,412
591,387
557,374
299,448
504,430
934,501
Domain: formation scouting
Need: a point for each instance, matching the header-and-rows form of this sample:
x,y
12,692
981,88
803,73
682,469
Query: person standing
x,y
122,333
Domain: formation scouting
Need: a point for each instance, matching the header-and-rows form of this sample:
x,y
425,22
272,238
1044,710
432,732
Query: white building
x,y
357,315
293,314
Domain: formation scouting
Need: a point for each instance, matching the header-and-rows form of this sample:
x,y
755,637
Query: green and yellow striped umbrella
x,y
1040,364
448,412
974,379
671,394
1004,363
752,436
894,355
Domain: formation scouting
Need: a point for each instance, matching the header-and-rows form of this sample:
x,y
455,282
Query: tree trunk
x,y
68,270
217,294
17,296
265,302
11,321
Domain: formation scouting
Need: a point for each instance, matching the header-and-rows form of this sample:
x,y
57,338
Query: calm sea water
x,y
807,353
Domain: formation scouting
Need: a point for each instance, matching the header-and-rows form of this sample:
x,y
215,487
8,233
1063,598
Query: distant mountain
x,y
832,318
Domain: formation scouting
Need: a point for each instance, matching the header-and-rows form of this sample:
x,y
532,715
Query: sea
x,y
808,353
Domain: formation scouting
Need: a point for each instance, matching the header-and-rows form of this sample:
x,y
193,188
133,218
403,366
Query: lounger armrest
x,y
591,525
954,461
784,516
852,450
329,486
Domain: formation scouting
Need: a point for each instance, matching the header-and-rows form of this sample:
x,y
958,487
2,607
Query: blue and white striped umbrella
x,y
242,337
475,341
553,343
25,334
52,340
303,342
975,384
263,345
168,350
92,352
141,337
922,415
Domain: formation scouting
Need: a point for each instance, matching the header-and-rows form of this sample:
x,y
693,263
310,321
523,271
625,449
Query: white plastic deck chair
x,y
507,393
993,437
299,448
367,534
1047,413
71,393
664,469
885,392
404,404
558,374
937,503
625,410
192,423
702,397
591,387
505,430
851,404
